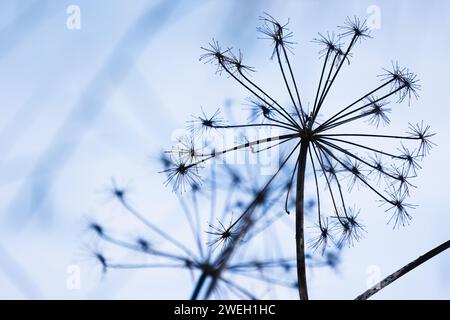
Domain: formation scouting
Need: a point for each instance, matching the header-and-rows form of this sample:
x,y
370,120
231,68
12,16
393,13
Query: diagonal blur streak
x,y
18,276
33,192
29,17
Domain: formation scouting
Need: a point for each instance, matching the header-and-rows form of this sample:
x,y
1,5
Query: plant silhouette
x,y
331,149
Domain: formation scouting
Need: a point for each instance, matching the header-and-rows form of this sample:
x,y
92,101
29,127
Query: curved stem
x,y
317,188
402,271
299,221
346,167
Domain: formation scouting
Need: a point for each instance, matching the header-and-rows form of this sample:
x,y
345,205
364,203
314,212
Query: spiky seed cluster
x,y
378,113
279,34
223,235
336,153
355,28
259,111
181,174
203,259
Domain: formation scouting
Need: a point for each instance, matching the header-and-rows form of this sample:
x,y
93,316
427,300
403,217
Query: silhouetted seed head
x,y
236,65
182,175
117,192
331,170
403,82
400,180
377,166
223,235
332,47
355,27
398,207
423,133
378,111
335,150
356,176
198,257
410,160
214,54
410,86
195,187
203,124
260,110
97,228
143,244
186,149
351,229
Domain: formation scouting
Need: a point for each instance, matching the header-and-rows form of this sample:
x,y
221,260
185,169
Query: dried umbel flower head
x,y
328,146
213,258
181,174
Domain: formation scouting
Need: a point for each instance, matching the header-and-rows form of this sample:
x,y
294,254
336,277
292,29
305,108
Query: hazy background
x,y
78,107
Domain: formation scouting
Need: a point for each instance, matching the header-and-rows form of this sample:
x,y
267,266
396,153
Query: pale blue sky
x,y
80,106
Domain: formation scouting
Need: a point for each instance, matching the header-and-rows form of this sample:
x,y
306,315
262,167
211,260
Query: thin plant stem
x,y
404,270
153,227
320,81
330,70
289,117
299,222
317,188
